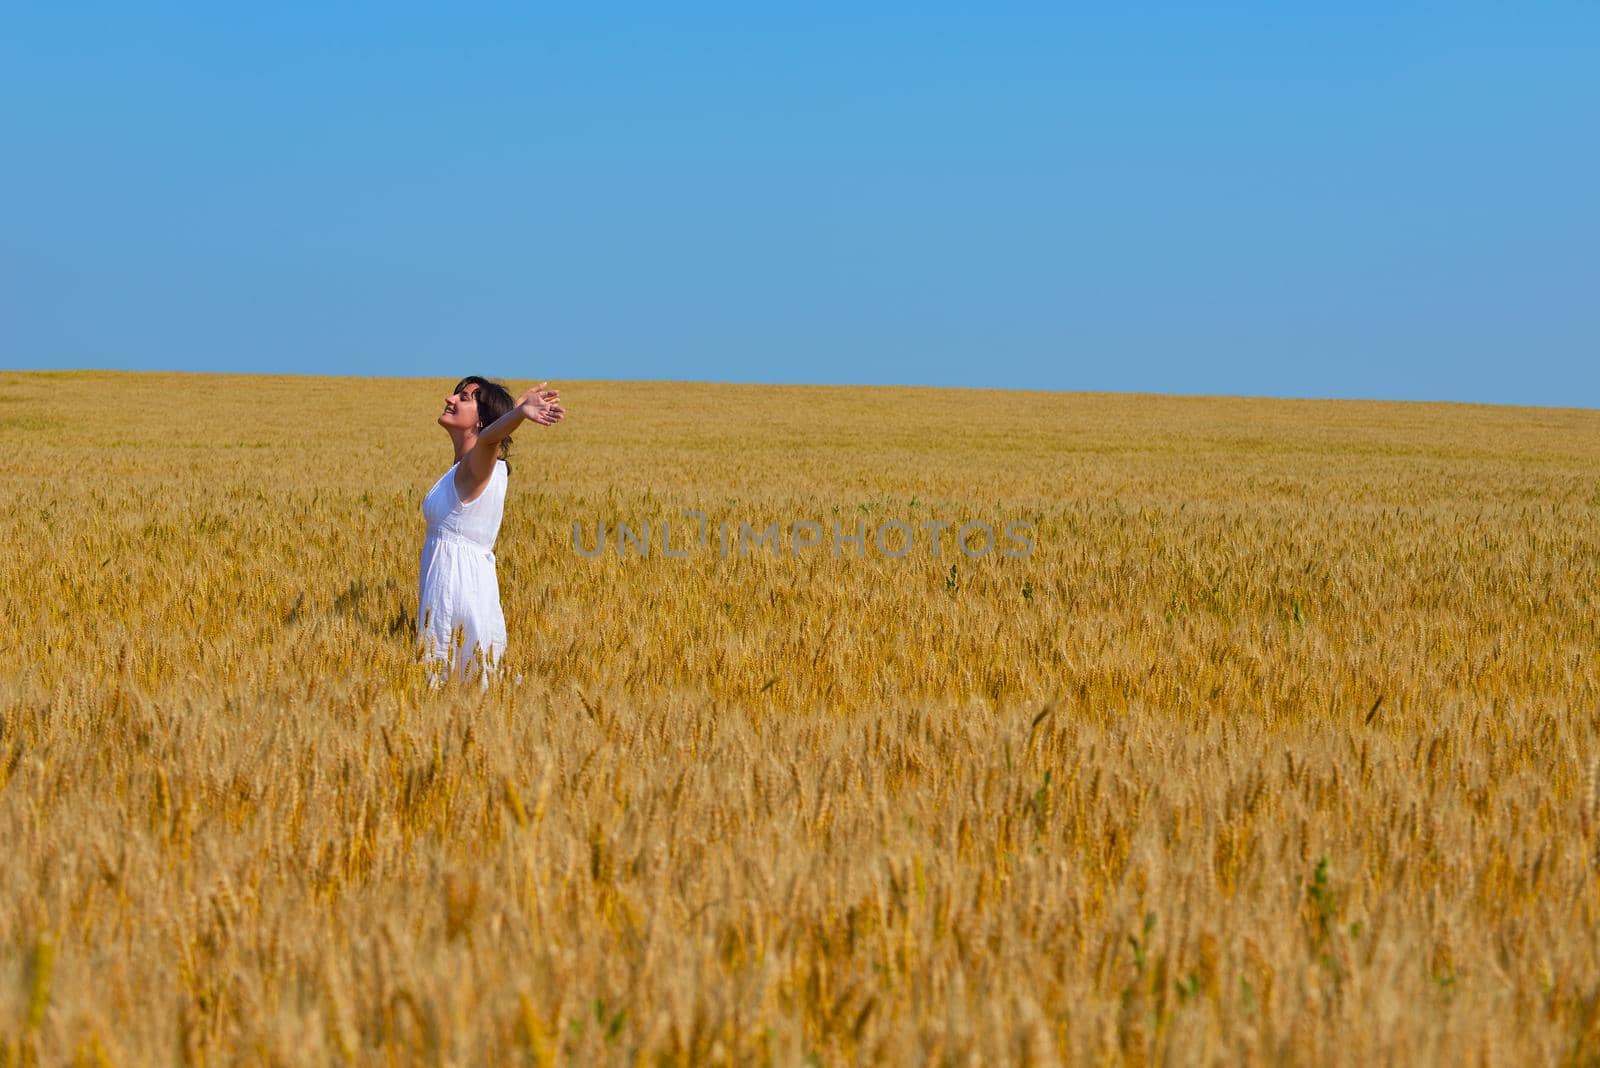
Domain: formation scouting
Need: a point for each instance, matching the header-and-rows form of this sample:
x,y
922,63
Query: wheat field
x,y
1281,746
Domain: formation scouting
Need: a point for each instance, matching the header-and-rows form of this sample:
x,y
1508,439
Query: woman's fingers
x,y
546,404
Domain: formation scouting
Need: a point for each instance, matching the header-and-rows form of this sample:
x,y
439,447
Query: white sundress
x,y
458,597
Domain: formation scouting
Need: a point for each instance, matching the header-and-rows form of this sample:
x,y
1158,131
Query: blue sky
x,y
1355,200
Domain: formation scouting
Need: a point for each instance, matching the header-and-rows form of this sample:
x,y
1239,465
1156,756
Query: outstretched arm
x,y
537,405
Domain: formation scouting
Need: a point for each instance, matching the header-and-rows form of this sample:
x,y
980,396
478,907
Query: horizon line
x,y
1129,393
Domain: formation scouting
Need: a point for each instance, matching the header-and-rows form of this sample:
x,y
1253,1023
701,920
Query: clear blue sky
x,y
1354,200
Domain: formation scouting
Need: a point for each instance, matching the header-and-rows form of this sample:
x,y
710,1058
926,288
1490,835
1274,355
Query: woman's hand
x,y
541,405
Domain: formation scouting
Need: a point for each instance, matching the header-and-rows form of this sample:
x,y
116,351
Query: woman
x,y
459,622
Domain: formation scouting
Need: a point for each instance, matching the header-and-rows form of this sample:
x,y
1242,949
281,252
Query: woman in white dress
x,y
459,622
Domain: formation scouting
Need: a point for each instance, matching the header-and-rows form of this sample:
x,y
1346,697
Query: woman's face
x,y
461,409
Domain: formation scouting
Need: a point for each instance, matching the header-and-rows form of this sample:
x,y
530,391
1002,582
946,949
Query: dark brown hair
x,y
494,400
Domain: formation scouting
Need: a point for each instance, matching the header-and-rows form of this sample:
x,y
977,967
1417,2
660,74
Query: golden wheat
x,y
1283,744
